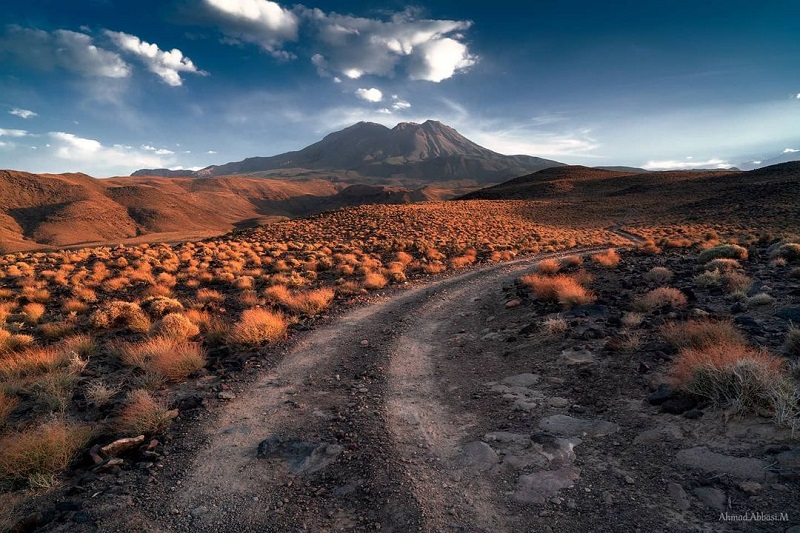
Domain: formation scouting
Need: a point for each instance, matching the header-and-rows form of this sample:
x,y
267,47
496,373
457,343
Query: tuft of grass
x,y
659,274
632,319
729,251
33,362
143,414
175,326
724,264
660,298
7,405
33,455
33,312
608,259
99,393
257,326
736,376
760,299
552,326
564,289
701,333
120,314
374,281
174,359
548,267
792,342
572,261
789,251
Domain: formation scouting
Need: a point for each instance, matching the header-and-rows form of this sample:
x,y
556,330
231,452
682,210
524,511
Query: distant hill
x,y
786,157
163,173
409,154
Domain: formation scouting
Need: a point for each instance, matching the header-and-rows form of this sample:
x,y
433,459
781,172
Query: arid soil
x,y
447,407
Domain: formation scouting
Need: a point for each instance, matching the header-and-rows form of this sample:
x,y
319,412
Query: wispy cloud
x,y
687,164
23,113
13,133
165,65
790,151
93,156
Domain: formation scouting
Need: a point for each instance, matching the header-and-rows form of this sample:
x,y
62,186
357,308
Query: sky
x,y
106,87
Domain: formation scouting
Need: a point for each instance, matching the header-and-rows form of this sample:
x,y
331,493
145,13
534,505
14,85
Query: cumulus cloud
x,y
260,22
370,95
430,50
68,50
13,133
96,157
166,65
23,113
790,151
688,164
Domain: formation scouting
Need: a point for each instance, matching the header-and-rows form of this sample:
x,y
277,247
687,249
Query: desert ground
x,y
574,350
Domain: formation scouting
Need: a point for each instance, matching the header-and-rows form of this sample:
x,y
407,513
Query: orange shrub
x,y
172,358
564,289
548,266
660,297
701,333
374,281
143,414
607,259
175,326
257,326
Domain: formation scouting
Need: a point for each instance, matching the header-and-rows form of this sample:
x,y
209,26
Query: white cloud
x,y
23,113
166,65
400,105
260,22
756,162
790,151
69,50
164,151
370,95
157,151
13,133
430,50
211,152
713,163
93,156
798,96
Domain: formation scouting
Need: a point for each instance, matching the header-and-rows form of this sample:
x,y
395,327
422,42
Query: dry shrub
x,y
404,258
56,330
210,296
143,414
74,306
33,312
548,266
171,358
99,393
723,265
461,261
33,362
736,282
311,302
7,405
13,342
730,251
374,281
572,261
738,376
701,333
607,259
175,326
120,314
631,319
160,306
36,455
552,326
659,298
564,289
760,299
53,390
649,247
81,345
789,251
257,326
659,274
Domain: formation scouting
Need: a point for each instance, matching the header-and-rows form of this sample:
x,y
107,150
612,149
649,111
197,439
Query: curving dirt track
x,y
418,414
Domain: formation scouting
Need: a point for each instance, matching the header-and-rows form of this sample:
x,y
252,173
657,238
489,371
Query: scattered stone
x,y
199,511
521,380
508,438
792,314
629,480
663,393
556,450
712,497
539,487
702,458
301,457
525,405
577,357
226,395
107,465
478,455
679,404
679,496
365,343
750,487
119,447
659,434
567,425
557,402
608,499
512,303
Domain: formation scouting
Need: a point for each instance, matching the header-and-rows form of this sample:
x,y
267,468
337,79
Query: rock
x,y
712,497
749,323
679,496
94,453
679,404
109,464
663,393
118,447
791,314
557,402
659,434
700,457
608,499
539,487
478,455
30,522
750,487
365,343
199,511
569,426
789,461
693,414
505,437
226,395
525,405
512,303
301,457
577,357
521,380
556,450
696,312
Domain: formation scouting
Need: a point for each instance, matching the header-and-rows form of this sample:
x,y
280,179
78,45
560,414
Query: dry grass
x,y
729,251
35,455
33,312
632,319
553,326
608,259
175,326
120,314
33,362
659,274
143,414
572,261
99,393
172,358
660,298
701,333
760,299
548,267
374,281
7,405
736,376
792,342
564,289
258,326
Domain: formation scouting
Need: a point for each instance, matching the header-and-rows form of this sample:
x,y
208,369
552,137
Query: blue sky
x,y
107,87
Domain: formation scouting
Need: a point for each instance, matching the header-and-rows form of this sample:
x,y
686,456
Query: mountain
x,y
162,172
409,154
